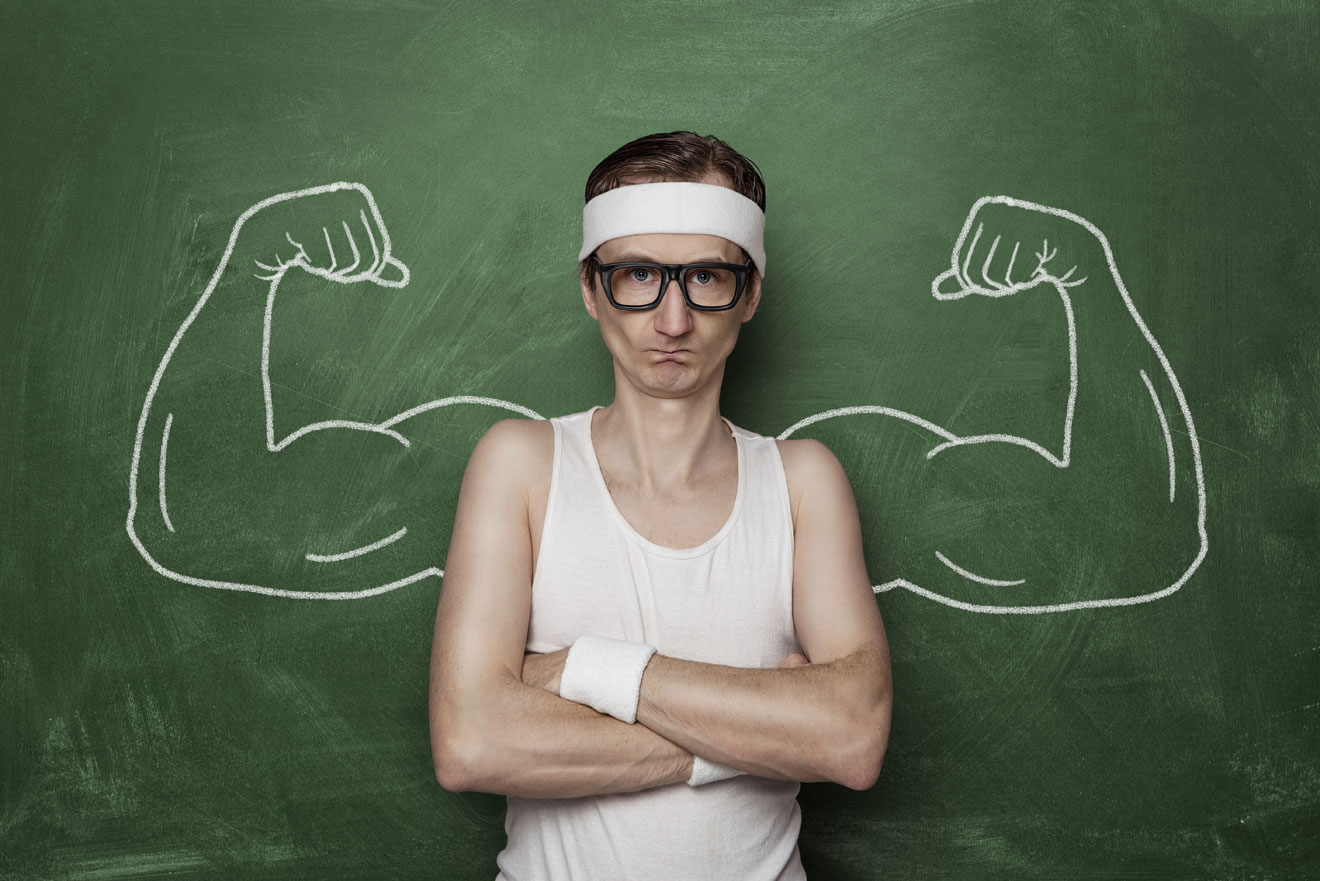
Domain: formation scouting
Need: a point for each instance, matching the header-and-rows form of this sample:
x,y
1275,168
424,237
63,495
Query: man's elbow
x,y
452,761
867,744
453,774
466,742
862,760
864,771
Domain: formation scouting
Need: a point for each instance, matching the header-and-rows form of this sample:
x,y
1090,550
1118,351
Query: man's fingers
x,y
528,672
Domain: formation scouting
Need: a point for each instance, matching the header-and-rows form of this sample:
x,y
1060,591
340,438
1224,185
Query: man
x,y
655,624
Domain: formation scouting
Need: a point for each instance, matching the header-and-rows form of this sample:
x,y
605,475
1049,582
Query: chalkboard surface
x,y
1043,276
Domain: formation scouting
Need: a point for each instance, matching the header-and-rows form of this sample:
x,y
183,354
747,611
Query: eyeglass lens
x,y
640,285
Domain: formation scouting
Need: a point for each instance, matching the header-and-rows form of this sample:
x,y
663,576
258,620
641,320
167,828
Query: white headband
x,y
675,207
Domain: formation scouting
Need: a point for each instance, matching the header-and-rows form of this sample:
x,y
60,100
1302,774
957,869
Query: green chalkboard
x,y
1089,504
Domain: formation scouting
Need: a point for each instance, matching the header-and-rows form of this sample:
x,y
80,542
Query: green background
x,y
152,728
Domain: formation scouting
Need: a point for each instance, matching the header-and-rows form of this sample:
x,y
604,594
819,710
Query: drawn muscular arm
x,y
220,492
1119,477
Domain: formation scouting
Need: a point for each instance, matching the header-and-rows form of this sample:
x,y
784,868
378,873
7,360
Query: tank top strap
x,y
762,501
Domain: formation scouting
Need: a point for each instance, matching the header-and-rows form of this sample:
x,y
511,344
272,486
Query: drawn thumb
x,y
392,273
948,286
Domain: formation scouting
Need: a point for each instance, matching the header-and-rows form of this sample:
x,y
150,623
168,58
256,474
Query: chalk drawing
x,y
381,261
357,552
382,269
973,576
1168,438
164,445
967,284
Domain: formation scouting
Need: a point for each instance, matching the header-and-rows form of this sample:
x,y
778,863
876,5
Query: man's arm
x,y
828,720
537,745
490,731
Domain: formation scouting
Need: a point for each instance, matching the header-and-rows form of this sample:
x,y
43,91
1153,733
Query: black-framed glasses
x,y
635,285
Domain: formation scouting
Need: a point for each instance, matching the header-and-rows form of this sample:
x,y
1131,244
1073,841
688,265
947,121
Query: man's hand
x,y
543,669
796,659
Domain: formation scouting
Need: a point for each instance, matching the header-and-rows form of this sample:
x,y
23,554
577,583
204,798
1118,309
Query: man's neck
x,y
659,445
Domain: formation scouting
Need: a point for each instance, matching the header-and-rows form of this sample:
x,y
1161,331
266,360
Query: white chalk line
x,y
345,275
357,552
994,289
378,427
1168,438
164,445
967,287
993,582
882,411
1060,461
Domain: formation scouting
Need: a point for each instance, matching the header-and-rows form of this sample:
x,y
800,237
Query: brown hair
x,y
672,156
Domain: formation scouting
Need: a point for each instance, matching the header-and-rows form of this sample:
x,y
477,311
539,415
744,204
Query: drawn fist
x,y
334,231
1008,245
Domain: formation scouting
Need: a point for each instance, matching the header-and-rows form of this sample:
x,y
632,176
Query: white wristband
x,y
704,771
605,674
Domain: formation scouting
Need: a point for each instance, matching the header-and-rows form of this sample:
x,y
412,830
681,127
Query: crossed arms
x,y
498,724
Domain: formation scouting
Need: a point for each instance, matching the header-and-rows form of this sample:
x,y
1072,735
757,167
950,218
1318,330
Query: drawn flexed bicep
x,y
1095,517
225,494
1102,505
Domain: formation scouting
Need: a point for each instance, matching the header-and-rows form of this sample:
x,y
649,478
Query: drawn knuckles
x,y
335,232
1008,245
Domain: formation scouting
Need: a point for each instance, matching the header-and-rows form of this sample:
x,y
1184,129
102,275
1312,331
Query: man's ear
x,y
588,296
751,297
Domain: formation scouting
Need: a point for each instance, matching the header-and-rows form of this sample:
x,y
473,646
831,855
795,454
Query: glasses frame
x,y
674,272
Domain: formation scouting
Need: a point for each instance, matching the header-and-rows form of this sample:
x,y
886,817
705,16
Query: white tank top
x,y
727,601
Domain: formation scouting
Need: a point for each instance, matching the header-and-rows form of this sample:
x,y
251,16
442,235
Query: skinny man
x,y
656,624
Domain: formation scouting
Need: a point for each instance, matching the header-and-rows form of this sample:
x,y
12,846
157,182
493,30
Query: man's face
x,y
639,340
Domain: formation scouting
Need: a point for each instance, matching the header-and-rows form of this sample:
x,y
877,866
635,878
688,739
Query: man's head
x,y
634,337
675,156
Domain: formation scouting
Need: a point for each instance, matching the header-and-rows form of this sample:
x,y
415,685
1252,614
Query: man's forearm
x,y
531,743
810,723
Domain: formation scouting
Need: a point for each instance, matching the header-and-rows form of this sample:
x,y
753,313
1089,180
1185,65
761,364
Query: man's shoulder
x,y
517,439
806,462
804,453
515,431
801,457
521,448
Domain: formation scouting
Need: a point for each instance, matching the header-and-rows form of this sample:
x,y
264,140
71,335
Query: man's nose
x,y
674,317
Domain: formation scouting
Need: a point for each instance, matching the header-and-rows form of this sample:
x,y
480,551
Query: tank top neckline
x,y
636,536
